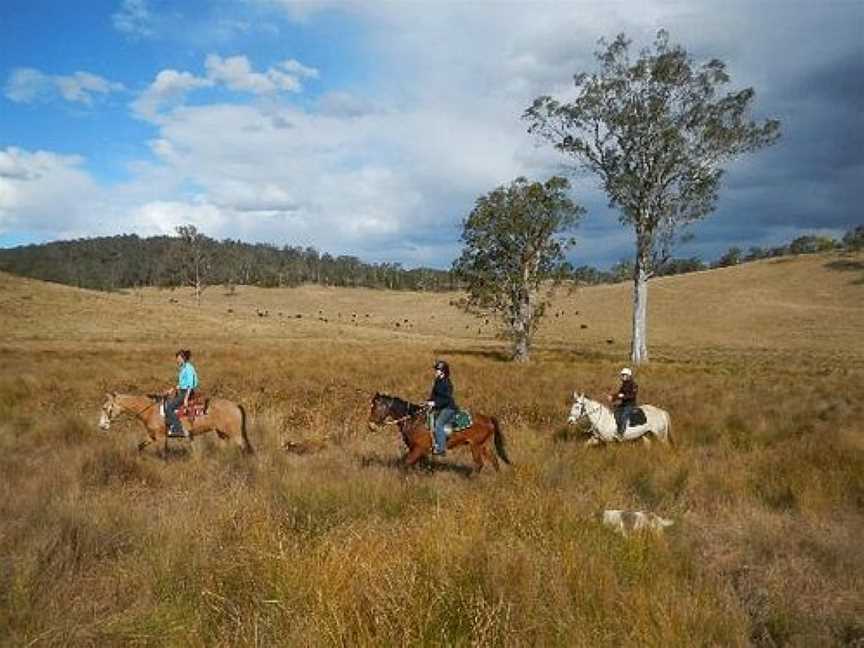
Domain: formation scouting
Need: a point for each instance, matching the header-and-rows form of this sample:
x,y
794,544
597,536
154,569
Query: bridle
x,y
125,410
420,409
584,413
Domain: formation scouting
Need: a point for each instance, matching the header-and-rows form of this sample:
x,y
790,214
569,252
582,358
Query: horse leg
x,y
477,453
593,441
151,437
194,448
491,457
646,439
415,454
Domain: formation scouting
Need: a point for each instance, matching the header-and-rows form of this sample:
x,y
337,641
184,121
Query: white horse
x,y
603,426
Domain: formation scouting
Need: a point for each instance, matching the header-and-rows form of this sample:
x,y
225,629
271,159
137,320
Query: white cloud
x,y
169,86
44,191
163,217
81,85
346,104
295,67
134,18
236,73
385,169
26,85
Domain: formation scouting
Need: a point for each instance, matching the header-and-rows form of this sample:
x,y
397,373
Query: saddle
x,y
637,417
197,407
461,421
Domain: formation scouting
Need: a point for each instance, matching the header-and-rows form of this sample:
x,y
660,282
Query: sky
x,y
371,128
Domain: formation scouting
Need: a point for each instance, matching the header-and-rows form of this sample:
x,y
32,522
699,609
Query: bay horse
x,y
225,417
604,429
411,420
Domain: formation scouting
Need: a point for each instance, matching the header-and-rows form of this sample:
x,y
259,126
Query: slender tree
x,y
194,259
656,131
514,244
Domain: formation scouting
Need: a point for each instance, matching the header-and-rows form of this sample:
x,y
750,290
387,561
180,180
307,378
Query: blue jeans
x,y
622,417
171,406
442,418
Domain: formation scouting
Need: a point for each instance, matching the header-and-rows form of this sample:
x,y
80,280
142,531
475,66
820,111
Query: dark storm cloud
x,y
806,62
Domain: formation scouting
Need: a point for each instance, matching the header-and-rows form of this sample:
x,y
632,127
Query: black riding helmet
x,y
442,366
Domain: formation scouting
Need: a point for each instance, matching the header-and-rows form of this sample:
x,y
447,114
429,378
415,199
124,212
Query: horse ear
x,y
575,395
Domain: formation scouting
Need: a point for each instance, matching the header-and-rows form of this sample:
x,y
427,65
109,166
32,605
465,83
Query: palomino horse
x,y
226,418
411,420
605,430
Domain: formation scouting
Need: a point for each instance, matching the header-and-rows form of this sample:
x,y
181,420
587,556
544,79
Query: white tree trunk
x,y
197,284
523,321
639,339
522,331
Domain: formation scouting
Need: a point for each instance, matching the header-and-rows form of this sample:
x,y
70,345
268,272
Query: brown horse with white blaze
x,y
225,417
411,420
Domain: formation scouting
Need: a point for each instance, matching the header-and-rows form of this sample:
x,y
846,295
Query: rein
x,y
421,409
587,414
138,413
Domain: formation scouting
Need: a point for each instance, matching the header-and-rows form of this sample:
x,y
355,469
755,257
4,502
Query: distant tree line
x,y
128,261
808,244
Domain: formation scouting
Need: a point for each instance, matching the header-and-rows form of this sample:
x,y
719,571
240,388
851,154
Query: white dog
x,y
627,521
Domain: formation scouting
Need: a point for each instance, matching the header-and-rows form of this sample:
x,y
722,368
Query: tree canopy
x,y
656,131
515,240
127,261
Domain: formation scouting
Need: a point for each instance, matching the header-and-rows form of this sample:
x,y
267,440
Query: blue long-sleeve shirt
x,y
188,378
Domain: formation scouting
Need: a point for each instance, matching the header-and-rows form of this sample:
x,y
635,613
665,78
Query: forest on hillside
x,y
129,261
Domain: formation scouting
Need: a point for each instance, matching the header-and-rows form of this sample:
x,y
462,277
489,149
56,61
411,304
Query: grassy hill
x,y
760,366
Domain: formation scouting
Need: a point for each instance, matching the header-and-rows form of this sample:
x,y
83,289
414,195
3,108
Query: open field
x,y
760,366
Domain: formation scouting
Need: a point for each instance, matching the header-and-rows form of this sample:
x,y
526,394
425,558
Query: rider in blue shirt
x,y
187,381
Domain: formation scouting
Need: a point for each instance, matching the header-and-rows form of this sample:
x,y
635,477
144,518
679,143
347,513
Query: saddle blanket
x,y
193,411
461,421
637,417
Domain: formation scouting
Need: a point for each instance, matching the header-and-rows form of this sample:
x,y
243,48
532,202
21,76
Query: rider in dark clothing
x,y
624,400
443,404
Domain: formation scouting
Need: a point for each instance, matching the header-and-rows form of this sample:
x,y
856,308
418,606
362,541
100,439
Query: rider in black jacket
x,y
624,400
443,404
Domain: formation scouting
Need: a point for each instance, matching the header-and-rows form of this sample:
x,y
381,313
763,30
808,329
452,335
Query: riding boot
x,y
178,433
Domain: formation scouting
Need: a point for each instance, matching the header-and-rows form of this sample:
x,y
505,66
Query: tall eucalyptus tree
x,y
657,131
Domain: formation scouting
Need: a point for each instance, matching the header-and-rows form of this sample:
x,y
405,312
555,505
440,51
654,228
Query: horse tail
x,y
247,447
669,438
498,437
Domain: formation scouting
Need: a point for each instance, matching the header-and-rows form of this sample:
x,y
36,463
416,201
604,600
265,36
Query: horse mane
x,y
405,407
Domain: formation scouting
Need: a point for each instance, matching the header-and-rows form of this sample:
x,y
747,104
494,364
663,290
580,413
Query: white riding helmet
x,y
626,371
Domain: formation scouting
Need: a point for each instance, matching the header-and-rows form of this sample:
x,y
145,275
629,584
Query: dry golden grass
x,y
760,367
